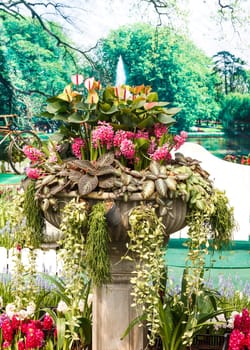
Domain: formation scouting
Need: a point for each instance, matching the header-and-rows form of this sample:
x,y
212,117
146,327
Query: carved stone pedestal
x,y
112,311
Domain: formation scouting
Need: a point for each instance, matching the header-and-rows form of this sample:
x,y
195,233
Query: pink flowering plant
x,y
129,121
20,331
240,334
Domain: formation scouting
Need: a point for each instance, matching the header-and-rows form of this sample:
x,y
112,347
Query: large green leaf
x,y
111,110
85,330
56,106
77,118
172,111
60,327
165,119
146,123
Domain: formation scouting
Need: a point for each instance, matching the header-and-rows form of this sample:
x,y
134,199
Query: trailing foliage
x,y
33,214
97,259
146,246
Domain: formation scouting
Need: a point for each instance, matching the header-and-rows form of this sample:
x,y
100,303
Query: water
x,y
120,72
220,146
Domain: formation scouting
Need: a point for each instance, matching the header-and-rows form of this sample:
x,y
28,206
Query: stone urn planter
x,y
112,301
116,295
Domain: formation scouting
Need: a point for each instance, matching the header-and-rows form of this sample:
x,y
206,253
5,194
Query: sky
x,y
207,33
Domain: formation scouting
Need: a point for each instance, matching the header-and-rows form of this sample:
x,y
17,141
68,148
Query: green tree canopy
x,y
170,63
32,66
233,75
235,114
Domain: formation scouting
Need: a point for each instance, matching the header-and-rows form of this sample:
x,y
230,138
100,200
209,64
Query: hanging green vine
x,y
33,214
97,258
221,220
72,252
146,245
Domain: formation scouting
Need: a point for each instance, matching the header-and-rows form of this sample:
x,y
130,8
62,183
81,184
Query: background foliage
x,y
35,65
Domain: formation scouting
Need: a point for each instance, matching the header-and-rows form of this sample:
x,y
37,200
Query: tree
x,y
170,63
231,70
235,114
164,12
33,67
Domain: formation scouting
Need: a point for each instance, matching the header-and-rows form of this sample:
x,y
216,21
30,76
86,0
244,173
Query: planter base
x,y
112,312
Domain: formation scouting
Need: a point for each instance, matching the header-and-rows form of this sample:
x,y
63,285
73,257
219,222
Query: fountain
x,y
120,72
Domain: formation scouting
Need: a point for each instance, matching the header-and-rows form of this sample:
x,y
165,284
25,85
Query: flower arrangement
x,y
129,121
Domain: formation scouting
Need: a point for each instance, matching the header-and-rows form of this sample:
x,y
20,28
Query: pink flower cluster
x,y
103,135
33,173
125,143
240,336
32,153
76,146
28,334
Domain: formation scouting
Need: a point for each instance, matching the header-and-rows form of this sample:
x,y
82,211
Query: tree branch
x,y
13,8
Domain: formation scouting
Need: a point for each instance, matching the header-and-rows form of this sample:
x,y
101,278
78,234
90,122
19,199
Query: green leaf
x,y
111,110
60,326
146,123
137,320
56,106
172,111
77,118
85,330
165,119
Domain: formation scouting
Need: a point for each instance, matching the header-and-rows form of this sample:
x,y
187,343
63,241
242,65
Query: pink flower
x,y
6,344
47,322
52,158
20,345
33,153
103,135
127,149
235,340
33,173
152,147
142,134
15,322
180,139
7,330
76,146
161,153
242,321
159,130
121,135
34,337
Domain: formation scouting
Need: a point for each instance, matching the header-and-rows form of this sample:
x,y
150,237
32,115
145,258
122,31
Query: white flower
x,y
81,305
10,310
230,322
1,302
62,307
31,308
22,315
219,318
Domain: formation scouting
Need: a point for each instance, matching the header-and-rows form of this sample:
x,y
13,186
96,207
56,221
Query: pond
x,y
221,145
